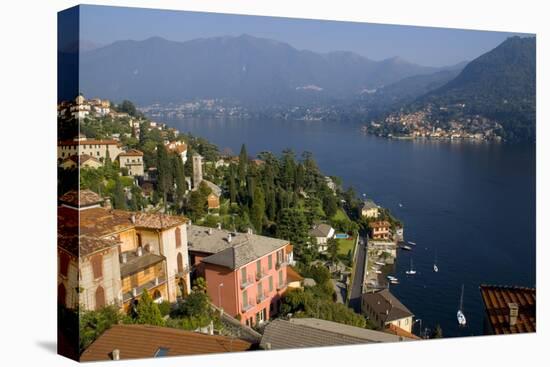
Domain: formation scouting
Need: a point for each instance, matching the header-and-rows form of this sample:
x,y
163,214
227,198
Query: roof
x,y
310,332
83,158
132,153
80,198
369,204
144,341
136,263
243,248
379,224
292,275
321,230
88,142
386,305
396,330
158,220
496,300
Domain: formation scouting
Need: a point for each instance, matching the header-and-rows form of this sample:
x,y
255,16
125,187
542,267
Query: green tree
x,y
164,169
330,205
292,226
258,209
147,311
119,198
181,185
333,248
437,333
232,186
243,165
93,323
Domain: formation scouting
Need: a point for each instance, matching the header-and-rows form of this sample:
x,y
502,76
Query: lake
x,y
472,203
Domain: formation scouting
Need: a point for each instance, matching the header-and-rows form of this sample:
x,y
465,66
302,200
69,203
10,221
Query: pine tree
x,y
258,209
147,311
119,198
164,169
243,165
232,186
181,185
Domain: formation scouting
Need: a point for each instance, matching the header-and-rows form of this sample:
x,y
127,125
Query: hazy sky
x,y
422,45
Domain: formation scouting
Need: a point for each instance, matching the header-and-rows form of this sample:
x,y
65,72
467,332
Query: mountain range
x,y
249,70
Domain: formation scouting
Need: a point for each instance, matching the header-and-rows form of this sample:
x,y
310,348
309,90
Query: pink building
x,y
245,273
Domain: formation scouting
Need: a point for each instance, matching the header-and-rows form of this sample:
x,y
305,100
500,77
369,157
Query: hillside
x,y
246,69
499,85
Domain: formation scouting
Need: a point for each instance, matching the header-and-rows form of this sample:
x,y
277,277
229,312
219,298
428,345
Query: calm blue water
x,y
474,203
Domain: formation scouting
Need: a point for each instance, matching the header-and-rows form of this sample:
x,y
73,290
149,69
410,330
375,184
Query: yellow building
x,y
383,309
108,256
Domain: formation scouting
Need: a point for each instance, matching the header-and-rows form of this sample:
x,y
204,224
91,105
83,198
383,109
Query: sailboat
x,y
436,269
459,314
411,271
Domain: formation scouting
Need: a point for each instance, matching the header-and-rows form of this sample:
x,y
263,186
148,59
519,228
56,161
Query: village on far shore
x,y
163,237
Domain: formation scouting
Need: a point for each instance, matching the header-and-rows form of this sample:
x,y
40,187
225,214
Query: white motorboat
x,y
411,271
436,269
460,314
380,263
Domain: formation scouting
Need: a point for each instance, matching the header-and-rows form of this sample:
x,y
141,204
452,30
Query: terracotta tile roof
x,y
80,198
396,330
143,341
386,305
158,220
88,142
292,275
132,153
310,332
99,222
496,300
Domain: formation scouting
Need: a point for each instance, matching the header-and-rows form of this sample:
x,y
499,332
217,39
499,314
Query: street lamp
x,y
420,329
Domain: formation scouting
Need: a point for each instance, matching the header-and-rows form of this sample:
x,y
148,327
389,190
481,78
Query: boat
x,y
460,314
405,247
411,243
436,269
394,281
380,263
391,277
400,205
411,271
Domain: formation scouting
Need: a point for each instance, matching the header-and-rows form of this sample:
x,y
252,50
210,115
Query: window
x,y
260,289
61,294
180,263
245,298
270,262
271,283
63,264
258,267
280,278
99,298
243,275
161,352
178,237
97,266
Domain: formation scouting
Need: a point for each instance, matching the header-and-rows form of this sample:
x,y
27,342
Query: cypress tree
x,y
147,311
258,209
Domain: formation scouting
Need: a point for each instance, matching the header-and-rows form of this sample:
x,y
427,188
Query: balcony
x,y
245,283
261,297
261,274
137,291
281,286
248,306
281,262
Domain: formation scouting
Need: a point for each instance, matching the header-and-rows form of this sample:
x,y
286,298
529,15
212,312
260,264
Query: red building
x,y
245,273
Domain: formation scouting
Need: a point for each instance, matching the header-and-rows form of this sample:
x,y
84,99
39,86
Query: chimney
x,y
139,251
156,281
134,292
123,257
229,237
219,226
513,307
107,203
116,354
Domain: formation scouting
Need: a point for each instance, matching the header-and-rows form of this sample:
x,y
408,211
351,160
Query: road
x,y
340,290
358,276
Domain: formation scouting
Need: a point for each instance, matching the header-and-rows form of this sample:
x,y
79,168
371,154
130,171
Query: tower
x,y
197,170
